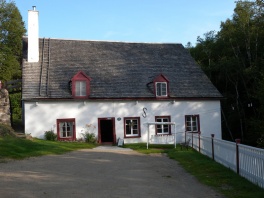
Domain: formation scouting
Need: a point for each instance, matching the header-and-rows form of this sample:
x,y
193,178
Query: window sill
x,y
132,137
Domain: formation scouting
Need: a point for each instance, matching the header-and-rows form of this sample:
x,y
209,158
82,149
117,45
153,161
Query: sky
x,y
152,21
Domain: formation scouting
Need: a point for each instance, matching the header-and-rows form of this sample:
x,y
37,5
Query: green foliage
x,y
15,102
88,134
260,141
6,131
233,60
89,137
11,31
17,148
50,135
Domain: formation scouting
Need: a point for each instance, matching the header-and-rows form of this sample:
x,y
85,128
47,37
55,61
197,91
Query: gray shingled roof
x,y
117,69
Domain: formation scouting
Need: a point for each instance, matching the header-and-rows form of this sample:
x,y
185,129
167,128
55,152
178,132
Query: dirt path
x,y
101,172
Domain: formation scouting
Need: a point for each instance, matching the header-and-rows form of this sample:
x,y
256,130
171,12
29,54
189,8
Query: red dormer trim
x,y
81,76
161,79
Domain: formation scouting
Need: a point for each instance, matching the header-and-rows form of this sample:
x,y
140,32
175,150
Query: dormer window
x,y
161,89
161,86
81,85
80,88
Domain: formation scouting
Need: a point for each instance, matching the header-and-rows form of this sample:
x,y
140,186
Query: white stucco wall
x,y
42,116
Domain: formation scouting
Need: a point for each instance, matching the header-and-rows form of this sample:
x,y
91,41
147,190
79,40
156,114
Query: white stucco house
x,y
117,87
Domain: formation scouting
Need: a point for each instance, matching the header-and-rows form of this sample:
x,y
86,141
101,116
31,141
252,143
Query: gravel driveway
x,y
100,172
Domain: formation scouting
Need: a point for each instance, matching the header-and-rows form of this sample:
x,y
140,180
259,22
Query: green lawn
x,y
17,148
206,171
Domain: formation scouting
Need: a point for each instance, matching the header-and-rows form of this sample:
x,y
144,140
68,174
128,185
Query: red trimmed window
x,y
192,123
66,129
132,127
163,129
161,86
81,85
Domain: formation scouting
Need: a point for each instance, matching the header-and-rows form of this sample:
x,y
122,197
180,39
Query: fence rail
x,y
247,161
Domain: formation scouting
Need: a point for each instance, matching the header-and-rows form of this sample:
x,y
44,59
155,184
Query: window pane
x,y
77,88
135,131
132,128
164,89
165,128
83,88
165,120
80,88
161,89
192,123
128,130
66,129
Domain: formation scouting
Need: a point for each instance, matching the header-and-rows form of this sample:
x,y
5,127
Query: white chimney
x,y
33,35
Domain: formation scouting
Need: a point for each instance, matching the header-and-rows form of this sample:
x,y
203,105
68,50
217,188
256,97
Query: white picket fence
x,y
245,160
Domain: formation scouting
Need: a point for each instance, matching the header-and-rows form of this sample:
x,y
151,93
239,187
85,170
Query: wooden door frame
x,y
113,129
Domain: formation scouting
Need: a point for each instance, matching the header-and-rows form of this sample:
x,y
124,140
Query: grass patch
x,y
17,148
206,171
142,148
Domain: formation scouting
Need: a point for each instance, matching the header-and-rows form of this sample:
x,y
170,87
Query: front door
x,y
106,130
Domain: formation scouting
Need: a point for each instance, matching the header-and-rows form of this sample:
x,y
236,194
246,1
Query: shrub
x,y
260,141
6,130
88,134
89,137
50,135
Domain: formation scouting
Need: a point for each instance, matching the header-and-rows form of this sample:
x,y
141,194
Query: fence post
x,y
237,154
199,133
212,135
192,140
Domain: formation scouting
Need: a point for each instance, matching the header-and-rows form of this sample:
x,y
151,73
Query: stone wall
x,y
4,107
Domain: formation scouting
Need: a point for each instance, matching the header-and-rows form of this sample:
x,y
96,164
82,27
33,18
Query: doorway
x,y
106,130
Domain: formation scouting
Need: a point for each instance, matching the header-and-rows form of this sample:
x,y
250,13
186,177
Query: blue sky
x,y
165,21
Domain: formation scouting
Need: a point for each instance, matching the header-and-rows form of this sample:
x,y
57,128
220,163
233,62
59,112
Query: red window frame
x,y
156,126
66,120
197,120
138,127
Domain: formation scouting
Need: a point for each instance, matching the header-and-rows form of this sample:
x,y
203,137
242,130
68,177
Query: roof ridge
x,y
109,41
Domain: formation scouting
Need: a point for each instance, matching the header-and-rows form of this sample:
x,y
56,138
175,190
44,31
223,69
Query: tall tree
x,y
11,31
233,58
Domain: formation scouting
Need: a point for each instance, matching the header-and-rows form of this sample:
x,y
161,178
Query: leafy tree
x,y
11,32
233,59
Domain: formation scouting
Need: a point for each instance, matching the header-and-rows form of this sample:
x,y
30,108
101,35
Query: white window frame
x,y
131,119
80,88
161,89
162,119
69,129
192,122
